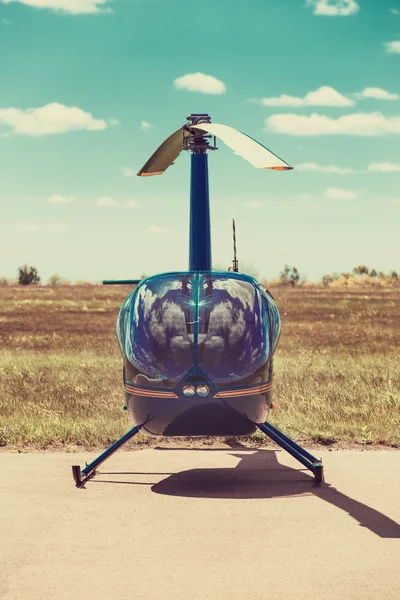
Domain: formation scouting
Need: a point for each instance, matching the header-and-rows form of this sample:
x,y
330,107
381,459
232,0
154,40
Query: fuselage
x,y
197,349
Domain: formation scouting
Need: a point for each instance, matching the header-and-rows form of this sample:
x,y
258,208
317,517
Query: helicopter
x,y
198,345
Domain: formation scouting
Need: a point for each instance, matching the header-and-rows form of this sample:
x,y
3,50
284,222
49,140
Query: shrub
x,y
361,270
327,279
290,275
28,275
362,276
54,280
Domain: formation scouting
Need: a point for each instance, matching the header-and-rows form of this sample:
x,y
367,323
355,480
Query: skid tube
x,y
299,453
82,476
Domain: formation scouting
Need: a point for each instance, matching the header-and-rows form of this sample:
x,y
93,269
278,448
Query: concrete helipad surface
x,y
199,524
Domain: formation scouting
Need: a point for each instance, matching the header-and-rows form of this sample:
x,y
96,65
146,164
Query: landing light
x,y
202,391
189,390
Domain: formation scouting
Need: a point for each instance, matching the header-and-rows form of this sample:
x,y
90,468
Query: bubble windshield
x,y
159,342
232,335
216,321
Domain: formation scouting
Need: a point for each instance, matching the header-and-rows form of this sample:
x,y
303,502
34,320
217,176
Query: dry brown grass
x,y
337,373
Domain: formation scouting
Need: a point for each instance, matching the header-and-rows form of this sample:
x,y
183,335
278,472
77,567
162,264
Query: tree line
x,y
289,276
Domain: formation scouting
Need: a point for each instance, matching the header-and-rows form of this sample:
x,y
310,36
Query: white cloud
x,y
199,82
324,169
252,204
131,203
393,47
395,11
106,201
323,96
334,8
377,93
384,167
50,119
364,124
60,199
68,6
102,201
128,172
26,227
157,229
339,194
55,227
6,21
144,126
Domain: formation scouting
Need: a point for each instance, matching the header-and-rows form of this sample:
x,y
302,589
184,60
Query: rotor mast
x,y
197,136
199,228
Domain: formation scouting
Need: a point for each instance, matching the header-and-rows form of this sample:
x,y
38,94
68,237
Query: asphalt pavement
x,y
196,524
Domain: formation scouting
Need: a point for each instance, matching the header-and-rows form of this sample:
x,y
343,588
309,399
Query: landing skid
x,y
306,459
285,442
82,476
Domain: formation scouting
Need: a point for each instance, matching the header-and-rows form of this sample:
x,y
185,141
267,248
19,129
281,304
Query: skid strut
x,y
82,476
306,459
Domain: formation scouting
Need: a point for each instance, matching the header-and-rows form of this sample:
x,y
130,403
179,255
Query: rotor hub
x,y
197,141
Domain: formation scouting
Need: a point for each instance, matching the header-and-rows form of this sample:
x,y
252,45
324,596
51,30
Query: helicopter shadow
x,y
259,475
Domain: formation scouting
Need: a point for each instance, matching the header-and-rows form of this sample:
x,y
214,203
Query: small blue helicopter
x,y
198,345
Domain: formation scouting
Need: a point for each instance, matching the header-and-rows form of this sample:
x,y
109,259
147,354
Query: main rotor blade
x,y
243,145
164,156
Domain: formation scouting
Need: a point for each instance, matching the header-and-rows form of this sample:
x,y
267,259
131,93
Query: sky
x,y
90,88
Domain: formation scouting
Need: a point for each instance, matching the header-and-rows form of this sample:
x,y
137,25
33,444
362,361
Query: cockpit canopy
x,y
224,323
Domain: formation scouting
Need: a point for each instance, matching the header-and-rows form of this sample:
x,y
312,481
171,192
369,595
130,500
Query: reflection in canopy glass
x,y
233,345
223,324
158,330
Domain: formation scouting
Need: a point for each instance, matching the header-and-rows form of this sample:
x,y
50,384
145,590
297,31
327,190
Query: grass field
x,y
337,368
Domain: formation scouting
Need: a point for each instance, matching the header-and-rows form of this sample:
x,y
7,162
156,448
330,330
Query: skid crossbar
x,y
82,476
308,460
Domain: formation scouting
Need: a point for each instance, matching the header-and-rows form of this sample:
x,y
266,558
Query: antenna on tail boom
x,y
235,262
